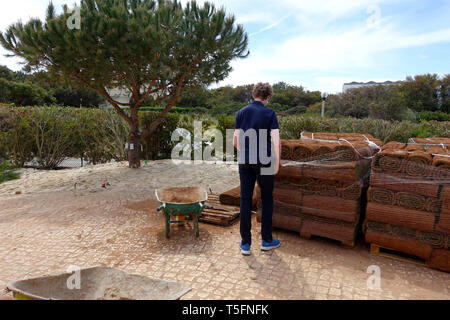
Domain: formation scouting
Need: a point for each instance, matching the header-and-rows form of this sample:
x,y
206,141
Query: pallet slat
x,y
220,214
396,255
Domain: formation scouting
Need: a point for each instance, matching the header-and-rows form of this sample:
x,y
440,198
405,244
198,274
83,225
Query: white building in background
x,y
120,95
354,85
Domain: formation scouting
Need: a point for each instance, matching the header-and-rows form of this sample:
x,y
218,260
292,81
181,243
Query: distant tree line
x,y
288,99
423,97
38,89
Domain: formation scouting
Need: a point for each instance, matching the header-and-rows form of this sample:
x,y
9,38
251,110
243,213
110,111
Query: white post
x,y
324,99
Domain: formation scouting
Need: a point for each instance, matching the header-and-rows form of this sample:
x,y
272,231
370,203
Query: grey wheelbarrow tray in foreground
x,y
98,283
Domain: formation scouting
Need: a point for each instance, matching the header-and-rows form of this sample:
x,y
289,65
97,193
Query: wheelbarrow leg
x,y
167,226
195,218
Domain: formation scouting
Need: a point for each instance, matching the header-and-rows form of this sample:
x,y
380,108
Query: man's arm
x,y
236,138
277,146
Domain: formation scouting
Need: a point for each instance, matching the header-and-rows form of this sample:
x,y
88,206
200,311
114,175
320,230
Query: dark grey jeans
x,y
249,174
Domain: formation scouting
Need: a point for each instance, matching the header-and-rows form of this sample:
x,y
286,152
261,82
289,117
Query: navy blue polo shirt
x,y
256,116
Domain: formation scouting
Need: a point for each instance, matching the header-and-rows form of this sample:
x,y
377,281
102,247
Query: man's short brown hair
x,y
262,91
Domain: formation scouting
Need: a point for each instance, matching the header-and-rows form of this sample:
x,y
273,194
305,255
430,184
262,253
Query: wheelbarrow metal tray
x,y
98,283
182,196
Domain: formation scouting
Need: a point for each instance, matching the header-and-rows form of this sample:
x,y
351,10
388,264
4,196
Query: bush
x,y
294,111
54,130
16,137
100,136
159,145
52,134
316,108
74,97
24,93
7,172
225,123
433,116
292,127
229,109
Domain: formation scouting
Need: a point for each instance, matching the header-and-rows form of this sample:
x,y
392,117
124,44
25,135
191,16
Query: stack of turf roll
x,y
233,197
320,189
409,200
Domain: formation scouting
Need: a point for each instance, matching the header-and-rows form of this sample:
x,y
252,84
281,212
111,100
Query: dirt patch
x,y
113,294
148,206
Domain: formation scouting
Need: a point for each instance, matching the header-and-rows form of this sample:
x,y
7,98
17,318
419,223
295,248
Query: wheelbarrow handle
x,y
207,206
161,207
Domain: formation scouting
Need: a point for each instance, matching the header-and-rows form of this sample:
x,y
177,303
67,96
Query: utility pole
x,y
324,99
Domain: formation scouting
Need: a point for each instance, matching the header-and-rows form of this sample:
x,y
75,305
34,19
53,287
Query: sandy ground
x,y
50,220
157,174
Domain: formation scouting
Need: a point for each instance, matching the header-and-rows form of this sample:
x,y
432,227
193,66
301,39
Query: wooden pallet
x,y
308,236
219,214
396,255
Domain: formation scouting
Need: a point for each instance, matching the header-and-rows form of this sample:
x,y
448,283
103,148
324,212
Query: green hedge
x,y
52,134
291,127
176,110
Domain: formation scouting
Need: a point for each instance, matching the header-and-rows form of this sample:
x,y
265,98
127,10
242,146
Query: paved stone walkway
x,y
123,230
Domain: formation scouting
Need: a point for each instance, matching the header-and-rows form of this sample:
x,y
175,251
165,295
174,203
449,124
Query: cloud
x,y
319,44
253,17
270,26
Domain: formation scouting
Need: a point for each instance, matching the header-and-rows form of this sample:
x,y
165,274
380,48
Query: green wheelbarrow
x,y
182,202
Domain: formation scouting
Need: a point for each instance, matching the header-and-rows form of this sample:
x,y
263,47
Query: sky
x,y
318,44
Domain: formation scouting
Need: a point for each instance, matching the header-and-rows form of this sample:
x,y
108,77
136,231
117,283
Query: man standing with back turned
x,y
256,129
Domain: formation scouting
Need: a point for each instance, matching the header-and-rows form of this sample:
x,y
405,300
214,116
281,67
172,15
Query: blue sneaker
x,y
245,249
267,246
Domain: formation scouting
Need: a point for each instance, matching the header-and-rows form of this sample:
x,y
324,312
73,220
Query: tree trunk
x,y
134,149
134,139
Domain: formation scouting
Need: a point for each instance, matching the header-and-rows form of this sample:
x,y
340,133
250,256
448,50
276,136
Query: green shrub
x,y
316,108
16,136
52,134
159,145
294,111
433,116
7,172
225,123
229,109
24,93
55,134
100,136
292,127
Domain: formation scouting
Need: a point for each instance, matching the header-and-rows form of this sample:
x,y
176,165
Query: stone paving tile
x,y
36,240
